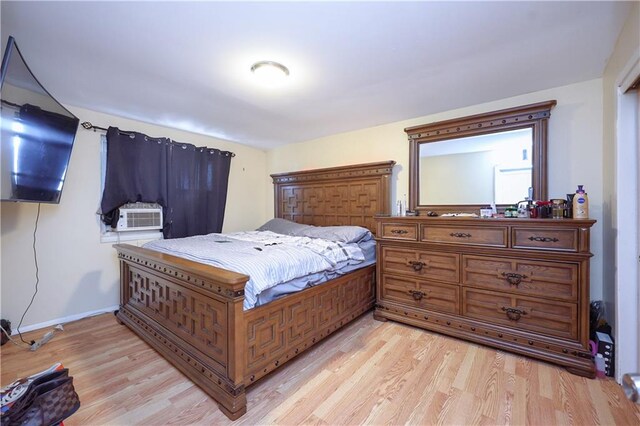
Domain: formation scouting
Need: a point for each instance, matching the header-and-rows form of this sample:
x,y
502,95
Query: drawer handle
x,y
513,277
417,265
544,239
417,295
460,235
399,231
514,314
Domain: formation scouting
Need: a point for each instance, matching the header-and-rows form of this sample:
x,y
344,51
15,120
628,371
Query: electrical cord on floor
x,y
35,260
11,338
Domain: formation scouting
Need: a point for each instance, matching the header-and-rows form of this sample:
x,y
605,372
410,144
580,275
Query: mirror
x,y
463,164
492,168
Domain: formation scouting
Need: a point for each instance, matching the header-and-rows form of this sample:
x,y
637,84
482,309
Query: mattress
x,y
272,260
299,284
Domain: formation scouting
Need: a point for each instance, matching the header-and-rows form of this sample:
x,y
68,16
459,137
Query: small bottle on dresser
x,y
568,212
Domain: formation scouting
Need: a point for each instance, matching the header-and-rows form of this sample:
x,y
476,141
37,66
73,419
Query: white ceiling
x,y
353,64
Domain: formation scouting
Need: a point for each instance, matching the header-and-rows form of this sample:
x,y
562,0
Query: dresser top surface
x,y
488,221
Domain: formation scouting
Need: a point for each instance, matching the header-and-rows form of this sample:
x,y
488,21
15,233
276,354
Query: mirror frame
x,y
536,116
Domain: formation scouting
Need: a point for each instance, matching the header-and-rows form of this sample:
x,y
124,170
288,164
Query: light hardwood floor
x,y
368,373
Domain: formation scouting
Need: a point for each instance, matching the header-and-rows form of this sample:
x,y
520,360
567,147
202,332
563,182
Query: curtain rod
x,y
87,125
11,104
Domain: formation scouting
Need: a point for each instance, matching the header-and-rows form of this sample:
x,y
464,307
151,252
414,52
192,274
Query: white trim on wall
x,y
65,320
118,237
627,172
630,72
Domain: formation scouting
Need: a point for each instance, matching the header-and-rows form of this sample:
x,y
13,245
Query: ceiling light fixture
x,y
270,73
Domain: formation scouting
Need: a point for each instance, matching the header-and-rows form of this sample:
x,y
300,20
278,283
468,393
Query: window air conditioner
x,y
139,217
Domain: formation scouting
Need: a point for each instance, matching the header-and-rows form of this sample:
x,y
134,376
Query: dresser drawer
x,y
545,239
540,316
482,236
400,231
421,294
421,264
527,277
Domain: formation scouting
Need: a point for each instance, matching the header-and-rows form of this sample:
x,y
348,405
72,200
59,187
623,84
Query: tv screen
x,y
37,134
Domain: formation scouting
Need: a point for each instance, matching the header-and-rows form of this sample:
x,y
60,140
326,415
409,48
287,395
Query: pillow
x,y
343,234
282,226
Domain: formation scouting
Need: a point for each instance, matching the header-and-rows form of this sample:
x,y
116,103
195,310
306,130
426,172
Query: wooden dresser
x,y
521,285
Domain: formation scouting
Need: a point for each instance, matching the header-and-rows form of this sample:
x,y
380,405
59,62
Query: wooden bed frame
x,y
192,313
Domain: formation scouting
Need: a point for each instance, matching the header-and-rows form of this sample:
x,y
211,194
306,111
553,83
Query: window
x,y
108,234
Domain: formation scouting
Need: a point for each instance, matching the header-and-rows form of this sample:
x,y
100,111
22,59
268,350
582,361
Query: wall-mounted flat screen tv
x,y
37,134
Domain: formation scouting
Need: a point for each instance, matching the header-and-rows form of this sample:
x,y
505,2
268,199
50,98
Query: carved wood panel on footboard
x,y
199,319
189,313
291,325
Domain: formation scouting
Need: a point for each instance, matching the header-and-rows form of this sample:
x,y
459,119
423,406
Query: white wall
x,y
78,273
575,151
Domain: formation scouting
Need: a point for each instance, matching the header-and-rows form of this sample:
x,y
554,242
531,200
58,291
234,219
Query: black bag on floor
x,y
48,401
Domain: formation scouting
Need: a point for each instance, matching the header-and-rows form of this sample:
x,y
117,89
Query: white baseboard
x,y
64,320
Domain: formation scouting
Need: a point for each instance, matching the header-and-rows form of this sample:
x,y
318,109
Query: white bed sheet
x,y
269,259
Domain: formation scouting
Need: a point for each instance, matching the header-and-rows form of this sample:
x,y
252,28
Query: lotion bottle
x,y
580,204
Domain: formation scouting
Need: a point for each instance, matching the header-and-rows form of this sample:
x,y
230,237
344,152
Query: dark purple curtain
x,y
136,171
189,182
198,180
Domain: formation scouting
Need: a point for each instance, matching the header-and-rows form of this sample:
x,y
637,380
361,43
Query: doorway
x,y
627,263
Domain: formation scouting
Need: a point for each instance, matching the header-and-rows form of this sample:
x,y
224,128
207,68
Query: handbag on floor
x,y
48,400
16,390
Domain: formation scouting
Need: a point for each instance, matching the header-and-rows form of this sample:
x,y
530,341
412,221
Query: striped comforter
x,y
268,258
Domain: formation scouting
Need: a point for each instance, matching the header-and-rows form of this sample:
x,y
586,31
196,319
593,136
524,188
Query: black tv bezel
x,y
11,45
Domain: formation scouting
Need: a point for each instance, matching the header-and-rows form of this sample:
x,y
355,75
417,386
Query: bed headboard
x,y
346,195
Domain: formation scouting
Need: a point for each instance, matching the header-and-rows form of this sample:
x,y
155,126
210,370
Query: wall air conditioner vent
x,y
140,217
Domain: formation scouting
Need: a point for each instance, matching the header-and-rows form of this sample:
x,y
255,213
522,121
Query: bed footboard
x,y
192,315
